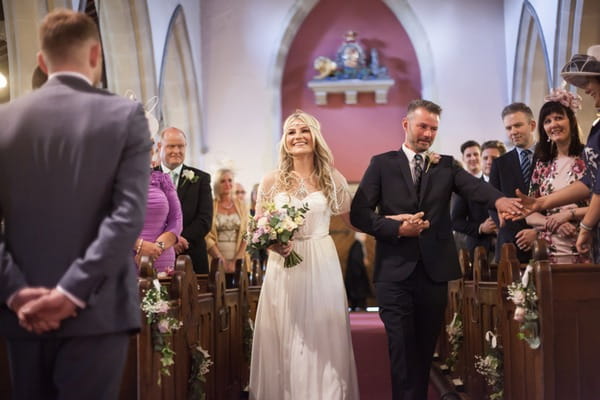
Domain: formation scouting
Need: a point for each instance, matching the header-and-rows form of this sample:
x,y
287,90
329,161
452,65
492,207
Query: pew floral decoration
x,y
523,294
156,306
455,337
432,158
248,338
201,363
491,367
276,226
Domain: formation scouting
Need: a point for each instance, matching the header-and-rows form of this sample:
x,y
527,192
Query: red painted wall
x,y
354,132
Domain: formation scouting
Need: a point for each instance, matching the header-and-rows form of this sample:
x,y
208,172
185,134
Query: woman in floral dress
x,y
558,165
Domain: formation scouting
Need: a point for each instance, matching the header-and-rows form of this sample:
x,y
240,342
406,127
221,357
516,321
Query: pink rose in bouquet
x,y
276,226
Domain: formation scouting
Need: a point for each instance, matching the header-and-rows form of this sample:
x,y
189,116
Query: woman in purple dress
x,y
163,223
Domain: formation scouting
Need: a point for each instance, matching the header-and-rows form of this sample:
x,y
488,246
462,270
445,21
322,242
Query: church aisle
x,y
371,354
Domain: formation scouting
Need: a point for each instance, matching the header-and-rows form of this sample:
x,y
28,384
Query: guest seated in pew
x,y
582,71
225,240
558,165
164,221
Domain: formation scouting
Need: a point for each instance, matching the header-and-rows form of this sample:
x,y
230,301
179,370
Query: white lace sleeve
x,y
266,191
342,199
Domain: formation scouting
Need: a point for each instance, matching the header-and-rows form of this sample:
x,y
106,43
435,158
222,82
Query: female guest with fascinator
x,y
558,165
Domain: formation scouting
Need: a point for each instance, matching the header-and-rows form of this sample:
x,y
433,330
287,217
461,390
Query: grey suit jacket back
x,y
74,168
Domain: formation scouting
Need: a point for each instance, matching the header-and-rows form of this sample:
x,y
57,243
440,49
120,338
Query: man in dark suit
x,y
507,175
403,200
472,218
72,213
193,189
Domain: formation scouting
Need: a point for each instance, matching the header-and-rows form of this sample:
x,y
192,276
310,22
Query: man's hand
x,y
413,229
525,238
26,295
488,227
181,245
46,312
412,218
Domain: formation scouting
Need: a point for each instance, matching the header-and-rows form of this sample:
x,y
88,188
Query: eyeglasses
x,y
240,192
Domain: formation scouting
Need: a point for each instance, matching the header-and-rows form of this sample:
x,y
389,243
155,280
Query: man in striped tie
x,y
513,171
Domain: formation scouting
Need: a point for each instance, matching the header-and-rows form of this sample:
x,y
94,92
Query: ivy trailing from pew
x,y
524,296
156,306
492,367
455,338
201,363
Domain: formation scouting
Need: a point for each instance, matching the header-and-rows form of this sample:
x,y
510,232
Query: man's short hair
x,y
426,104
62,30
518,107
494,144
467,144
161,134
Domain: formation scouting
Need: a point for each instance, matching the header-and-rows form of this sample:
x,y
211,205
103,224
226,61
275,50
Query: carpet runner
x,y
372,361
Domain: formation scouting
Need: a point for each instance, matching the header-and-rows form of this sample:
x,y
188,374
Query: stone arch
x,y
178,91
532,75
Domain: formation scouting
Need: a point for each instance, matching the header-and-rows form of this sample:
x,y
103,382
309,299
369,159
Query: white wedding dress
x,y
302,348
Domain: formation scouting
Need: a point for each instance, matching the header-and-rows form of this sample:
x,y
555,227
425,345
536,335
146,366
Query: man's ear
x,y
95,54
42,62
405,123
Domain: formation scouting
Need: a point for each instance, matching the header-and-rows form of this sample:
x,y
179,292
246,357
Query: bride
x,y
302,347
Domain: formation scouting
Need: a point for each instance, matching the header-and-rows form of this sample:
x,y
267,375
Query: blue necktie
x,y
526,166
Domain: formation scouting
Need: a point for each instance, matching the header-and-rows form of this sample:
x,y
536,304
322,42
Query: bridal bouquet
x,y
276,225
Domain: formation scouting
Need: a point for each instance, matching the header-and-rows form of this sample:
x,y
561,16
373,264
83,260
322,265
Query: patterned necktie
x,y
526,166
418,170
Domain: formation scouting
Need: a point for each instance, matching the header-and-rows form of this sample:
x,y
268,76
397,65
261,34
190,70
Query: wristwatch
x,y
160,244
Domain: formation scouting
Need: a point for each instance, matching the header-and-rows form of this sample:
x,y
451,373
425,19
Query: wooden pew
x,y
565,365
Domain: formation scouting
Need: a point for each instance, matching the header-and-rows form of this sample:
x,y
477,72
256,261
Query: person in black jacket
x,y
193,189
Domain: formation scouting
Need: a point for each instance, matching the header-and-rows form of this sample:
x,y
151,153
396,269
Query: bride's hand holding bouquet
x,y
275,229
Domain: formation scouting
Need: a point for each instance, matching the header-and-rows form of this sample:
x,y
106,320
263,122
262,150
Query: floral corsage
x,y
432,158
189,176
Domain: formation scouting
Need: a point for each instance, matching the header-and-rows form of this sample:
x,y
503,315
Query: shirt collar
x,y
71,73
177,169
409,153
530,148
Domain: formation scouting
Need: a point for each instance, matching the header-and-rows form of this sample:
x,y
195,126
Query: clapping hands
x,y
41,309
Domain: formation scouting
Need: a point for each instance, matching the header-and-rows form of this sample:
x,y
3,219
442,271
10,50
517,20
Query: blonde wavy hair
x,y
323,159
217,181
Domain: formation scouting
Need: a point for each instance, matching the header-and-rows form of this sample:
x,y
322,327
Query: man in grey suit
x,y
74,173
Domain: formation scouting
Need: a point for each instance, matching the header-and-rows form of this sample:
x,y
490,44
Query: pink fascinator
x,y
566,98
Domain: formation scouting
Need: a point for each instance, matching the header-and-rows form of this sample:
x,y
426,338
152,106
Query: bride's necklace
x,y
302,190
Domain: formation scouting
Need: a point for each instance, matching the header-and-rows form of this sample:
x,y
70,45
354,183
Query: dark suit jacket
x,y
73,185
506,176
466,216
197,208
387,189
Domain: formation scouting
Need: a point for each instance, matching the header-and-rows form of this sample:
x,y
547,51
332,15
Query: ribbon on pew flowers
x,y
156,306
524,296
455,337
492,366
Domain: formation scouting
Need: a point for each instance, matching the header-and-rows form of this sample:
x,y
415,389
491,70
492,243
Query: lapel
x,y
182,183
425,178
404,167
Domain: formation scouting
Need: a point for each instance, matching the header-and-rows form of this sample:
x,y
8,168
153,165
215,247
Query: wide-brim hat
x,y
582,66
